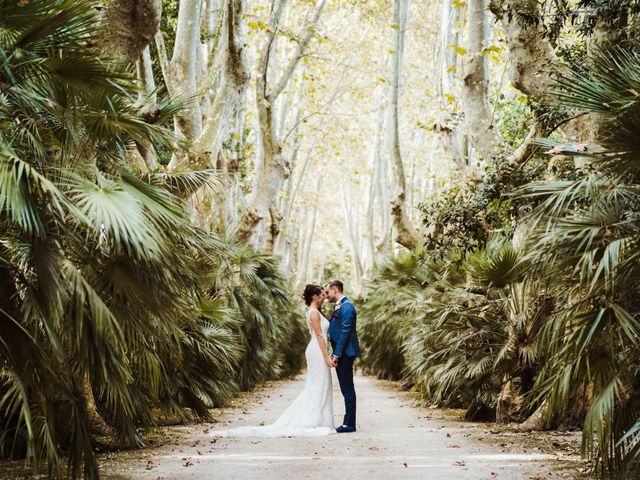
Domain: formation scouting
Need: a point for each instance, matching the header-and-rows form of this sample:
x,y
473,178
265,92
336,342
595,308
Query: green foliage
x,y
107,291
564,318
454,331
270,320
513,113
392,300
463,218
587,243
589,16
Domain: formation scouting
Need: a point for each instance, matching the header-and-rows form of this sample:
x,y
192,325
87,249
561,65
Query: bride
x,y
311,413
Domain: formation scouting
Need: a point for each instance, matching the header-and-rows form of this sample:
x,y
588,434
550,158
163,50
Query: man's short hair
x,y
338,284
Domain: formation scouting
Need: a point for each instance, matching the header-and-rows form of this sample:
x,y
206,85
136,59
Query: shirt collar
x,y
339,302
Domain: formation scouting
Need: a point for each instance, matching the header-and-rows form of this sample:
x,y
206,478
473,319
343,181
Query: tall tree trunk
x,y
314,222
128,26
147,99
383,189
350,217
301,248
478,118
450,135
406,233
235,79
374,186
183,71
448,37
284,240
213,22
97,425
531,56
163,60
273,166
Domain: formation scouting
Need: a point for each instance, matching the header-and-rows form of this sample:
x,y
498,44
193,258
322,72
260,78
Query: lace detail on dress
x,y
324,323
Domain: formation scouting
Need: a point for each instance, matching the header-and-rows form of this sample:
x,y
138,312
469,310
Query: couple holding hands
x,y
311,413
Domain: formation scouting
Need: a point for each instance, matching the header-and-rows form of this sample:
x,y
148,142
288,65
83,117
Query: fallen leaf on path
x,y
405,465
581,147
460,463
453,446
553,151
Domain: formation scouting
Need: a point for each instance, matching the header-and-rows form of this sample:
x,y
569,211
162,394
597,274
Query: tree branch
x,y
277,89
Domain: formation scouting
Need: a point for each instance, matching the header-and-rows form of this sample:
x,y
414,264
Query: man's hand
x,y
334,361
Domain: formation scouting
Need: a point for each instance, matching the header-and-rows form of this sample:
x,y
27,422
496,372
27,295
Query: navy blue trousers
x,y
344,371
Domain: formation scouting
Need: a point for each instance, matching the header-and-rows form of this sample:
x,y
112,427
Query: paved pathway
x,y
395,439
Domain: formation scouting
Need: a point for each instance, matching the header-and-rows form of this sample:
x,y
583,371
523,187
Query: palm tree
x,y
587,241
459,332
111,302
393,298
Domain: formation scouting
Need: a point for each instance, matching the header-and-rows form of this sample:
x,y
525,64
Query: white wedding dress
x,y
311,413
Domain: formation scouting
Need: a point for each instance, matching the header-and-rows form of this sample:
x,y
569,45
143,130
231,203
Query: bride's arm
x,y
315,324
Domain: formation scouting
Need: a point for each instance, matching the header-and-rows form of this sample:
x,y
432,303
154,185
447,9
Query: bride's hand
x,y
329,362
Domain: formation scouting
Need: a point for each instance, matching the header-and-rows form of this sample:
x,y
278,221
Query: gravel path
x,y
395,439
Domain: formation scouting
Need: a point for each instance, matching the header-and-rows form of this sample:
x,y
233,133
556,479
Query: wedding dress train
x,y
311,413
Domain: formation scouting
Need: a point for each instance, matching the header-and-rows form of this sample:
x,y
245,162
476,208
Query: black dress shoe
x,y
345,429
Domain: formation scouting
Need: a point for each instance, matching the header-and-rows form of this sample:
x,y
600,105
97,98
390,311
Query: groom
x,y
344,341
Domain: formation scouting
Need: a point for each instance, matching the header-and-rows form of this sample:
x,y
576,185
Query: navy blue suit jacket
x,y
342,330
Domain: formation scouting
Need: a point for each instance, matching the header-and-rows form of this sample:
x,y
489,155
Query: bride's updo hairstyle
x,y
309,291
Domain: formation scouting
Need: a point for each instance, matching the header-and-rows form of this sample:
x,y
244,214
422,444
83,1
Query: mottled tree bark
x,y
147,99
183,71
478,118
407,235
97,425
272,167
531,56
235,79
128,26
